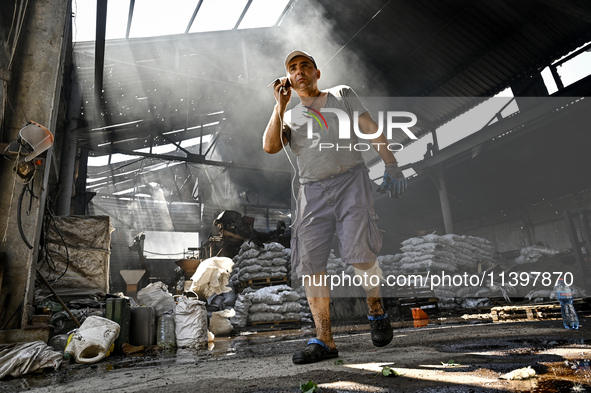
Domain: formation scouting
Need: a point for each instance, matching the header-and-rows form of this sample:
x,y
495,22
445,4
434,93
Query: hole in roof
x,y
156,17
215,15
263,13
152,18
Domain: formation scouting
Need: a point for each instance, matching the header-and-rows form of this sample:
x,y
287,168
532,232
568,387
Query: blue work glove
x,y
394,182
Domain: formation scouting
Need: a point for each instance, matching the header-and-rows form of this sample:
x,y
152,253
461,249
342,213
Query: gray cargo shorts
x,y
343,205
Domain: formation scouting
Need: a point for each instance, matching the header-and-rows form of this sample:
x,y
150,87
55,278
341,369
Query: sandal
x,y
381,330
315,351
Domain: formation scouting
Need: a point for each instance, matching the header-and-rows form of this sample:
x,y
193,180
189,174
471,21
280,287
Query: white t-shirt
x,y
322,153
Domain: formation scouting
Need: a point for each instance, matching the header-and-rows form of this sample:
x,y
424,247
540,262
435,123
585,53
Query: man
x,y
334,197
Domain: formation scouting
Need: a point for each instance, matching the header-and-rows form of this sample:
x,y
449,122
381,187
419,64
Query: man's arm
x,y
274,137
368,126
394,182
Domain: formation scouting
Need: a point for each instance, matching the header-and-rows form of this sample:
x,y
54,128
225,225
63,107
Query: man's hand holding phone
x,y
282,91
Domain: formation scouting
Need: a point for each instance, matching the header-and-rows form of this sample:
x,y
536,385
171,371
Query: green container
x,y
119,310
142,330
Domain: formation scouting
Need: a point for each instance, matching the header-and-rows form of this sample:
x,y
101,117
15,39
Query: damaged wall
x,y
34,94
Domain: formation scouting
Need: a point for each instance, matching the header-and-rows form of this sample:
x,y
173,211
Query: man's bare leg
x,y
319,301
374,296
381,330
323,346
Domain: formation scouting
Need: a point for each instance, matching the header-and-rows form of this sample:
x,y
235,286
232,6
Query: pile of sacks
x,y
390,264
450,253
269,304
271,260
533,254
305,313
336,266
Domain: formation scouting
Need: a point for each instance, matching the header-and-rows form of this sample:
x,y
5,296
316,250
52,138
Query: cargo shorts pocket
x,y
374,234
295,254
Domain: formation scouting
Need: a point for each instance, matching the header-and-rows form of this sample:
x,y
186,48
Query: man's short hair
x,y
297,53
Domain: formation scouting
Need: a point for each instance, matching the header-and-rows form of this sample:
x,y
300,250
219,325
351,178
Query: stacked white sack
x,y
271,260
452,254
305,313
241,308
533,254
449,253
390,264
336,266
269,304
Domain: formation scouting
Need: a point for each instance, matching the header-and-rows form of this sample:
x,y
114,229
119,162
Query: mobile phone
x,y
286,86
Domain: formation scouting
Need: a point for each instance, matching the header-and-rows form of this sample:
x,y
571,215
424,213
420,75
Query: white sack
x,y
156,295
191,323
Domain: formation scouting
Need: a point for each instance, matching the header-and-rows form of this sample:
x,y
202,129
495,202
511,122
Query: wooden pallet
x,y
526,313
263,282
428,305
276,324
404,299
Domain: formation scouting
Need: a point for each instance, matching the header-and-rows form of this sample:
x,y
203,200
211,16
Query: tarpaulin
x,y
22,358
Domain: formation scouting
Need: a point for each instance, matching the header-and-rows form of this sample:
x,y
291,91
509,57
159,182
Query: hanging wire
x,y
355,35
47,258
19,213
4,239
18,20
51,215
21,22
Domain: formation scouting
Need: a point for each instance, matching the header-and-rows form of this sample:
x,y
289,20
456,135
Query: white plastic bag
x,y
219,323
191,323
212,277
157,296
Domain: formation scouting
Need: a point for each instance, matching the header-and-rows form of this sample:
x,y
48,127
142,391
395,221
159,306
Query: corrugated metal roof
x,y
443,48
466,49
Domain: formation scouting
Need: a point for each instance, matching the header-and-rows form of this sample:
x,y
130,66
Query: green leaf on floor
x,y
450,363
308,387
390,372
340,361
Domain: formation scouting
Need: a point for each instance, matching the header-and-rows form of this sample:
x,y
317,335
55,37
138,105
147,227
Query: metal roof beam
x,y
287,8
244,11
538,113
193,16
129,17
195,158
99,48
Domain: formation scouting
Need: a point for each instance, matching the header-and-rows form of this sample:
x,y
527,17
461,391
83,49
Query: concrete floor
x,y
261,362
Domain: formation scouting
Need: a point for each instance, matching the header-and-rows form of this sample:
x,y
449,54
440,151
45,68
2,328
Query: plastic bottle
x,y
565,297
166,336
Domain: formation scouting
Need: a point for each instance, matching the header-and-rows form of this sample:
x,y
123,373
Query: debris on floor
x,y
519,374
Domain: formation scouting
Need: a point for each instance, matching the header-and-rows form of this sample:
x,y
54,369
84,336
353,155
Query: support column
x,y
444,200
437,175
82,196
34,94
69,150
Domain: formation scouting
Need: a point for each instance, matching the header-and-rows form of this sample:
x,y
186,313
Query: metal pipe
x,y
59,300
